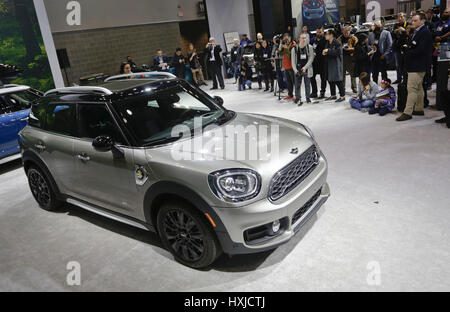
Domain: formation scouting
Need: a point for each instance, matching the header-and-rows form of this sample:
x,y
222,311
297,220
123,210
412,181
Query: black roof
x,y
119,86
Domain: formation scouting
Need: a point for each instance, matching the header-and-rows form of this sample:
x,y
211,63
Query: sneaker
x,y
404,117
300,103
308,101
331,98
322,96
441,121
296,100
342,99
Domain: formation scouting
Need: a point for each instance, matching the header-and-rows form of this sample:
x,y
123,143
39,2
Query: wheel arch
x,y
29,159
165,190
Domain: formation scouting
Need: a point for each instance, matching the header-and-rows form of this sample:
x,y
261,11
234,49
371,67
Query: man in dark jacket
x,y
179,63
418,60
319,64
333,53
214,61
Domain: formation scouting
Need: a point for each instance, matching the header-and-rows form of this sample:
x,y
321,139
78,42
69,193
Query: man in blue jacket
x,y
381,41
161,61
418,60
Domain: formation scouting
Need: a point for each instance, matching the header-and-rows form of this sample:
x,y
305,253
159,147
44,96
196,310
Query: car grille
x,y
299,213
293,174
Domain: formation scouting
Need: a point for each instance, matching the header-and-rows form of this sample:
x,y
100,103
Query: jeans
x,y
380,110
236,70
244,82
298,86
290,81
360,104
340,86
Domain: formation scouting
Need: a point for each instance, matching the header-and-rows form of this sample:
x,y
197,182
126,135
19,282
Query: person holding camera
x,y
212,52
302,63
196,66
335,73
285,51
277,62
399,38
417,61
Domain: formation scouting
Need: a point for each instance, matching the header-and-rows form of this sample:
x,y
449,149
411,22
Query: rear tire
x,y
42,190
186,234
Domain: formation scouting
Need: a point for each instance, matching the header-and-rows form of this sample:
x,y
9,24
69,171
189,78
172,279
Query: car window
x,y
10,103
95,120
151,118
60,118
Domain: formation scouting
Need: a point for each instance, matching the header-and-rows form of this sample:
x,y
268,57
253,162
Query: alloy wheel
x,y
184,235
39,187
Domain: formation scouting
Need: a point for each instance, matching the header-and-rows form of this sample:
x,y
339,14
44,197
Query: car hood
x,y
263,143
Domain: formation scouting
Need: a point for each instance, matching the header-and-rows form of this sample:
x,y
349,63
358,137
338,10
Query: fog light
x,y
276,226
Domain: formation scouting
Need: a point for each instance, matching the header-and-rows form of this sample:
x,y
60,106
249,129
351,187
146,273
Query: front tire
x,y
187,235
42,190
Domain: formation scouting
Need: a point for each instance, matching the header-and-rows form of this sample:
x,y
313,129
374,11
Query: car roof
x,y
119,86
11,88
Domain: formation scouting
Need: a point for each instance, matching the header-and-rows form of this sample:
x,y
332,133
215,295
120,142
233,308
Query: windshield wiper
x,y
163,141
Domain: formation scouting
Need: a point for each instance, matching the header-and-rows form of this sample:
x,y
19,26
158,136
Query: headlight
x,y
235,185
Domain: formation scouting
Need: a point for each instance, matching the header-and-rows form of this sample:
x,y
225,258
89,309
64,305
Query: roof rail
x,y
13,89
144,75
101,90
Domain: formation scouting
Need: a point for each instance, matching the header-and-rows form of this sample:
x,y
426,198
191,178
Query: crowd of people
x,y
330,55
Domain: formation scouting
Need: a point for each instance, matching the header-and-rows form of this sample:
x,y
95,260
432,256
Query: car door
x,y
105,179
53,126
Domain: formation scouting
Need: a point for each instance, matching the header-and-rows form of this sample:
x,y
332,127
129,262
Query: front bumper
x,y
238,220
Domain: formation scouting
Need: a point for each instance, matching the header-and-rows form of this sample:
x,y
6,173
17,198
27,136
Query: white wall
x,y
228,16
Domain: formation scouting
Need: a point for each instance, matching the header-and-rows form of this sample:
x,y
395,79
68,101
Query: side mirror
x,y
103,143
218,100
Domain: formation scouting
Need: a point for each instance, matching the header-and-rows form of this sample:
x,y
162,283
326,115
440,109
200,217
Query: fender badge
x,y
140,175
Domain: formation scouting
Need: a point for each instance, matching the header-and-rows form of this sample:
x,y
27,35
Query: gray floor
x,y
389,210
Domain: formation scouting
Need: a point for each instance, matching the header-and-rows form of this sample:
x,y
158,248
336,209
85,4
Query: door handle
x,y
83,157
40,146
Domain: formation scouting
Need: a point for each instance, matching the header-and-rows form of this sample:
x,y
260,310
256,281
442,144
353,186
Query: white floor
x,y
385,227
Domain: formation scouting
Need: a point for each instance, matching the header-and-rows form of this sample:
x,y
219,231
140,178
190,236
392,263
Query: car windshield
x,y
152,118
14,102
